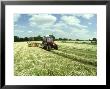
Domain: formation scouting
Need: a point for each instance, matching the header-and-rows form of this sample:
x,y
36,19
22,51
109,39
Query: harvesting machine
x,y
47,43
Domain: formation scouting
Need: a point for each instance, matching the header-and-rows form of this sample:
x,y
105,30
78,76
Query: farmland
x,y
71,59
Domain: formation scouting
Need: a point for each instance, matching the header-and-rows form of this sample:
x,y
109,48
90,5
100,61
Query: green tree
x,y
16,38
94,39
77,39
52,36
26,39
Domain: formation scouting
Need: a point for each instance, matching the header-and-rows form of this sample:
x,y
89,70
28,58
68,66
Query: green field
x,y
71,59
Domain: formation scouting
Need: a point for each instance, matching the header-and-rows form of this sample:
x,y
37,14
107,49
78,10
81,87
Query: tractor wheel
x,y
48,47
56,47
44,47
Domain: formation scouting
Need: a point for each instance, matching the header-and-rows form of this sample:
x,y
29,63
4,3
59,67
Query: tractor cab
x,y
48,43
47,39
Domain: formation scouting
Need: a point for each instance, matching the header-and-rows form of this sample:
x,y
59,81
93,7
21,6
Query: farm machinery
x,y
33,44
47,43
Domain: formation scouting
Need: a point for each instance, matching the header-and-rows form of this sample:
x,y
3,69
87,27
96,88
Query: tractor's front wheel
x,y
48,47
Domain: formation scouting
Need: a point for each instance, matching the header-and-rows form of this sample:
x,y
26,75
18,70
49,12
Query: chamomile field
x,y
71,59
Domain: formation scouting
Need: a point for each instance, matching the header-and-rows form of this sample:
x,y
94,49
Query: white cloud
x,y
78,31
16,17
73,21
18,31
86,16
42,19
29,31
16,26
60,25
80,34
68,26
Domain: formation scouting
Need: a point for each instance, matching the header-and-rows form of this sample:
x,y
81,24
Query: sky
x,y
71,26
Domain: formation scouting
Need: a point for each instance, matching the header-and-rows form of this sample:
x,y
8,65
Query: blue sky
x,y
72,26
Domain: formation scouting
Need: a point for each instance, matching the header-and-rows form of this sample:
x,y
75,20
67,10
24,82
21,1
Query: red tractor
x,y
48,43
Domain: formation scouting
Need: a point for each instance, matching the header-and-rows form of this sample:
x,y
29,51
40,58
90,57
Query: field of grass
x,y
71,59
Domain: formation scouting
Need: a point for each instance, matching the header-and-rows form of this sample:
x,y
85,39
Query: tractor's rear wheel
x,y
55,47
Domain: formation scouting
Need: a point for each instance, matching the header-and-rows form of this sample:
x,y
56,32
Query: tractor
x,y
48,43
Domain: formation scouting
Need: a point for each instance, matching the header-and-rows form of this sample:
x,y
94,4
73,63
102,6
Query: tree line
x,y
20,39
39,38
